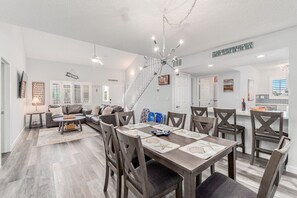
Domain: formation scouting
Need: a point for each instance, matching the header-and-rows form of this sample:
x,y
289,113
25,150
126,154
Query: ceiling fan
x,y
95,58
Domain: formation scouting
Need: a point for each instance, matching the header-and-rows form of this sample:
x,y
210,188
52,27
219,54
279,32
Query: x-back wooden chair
x,y
176,119
225,127
124,118
199,111
150,179
112,153
205,125
264,130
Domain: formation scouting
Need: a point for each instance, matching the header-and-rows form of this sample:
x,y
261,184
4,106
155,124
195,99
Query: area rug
x,y
50,136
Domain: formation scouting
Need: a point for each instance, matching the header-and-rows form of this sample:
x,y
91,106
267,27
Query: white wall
x,y
277,40
156,101
12,50
229,99
45,71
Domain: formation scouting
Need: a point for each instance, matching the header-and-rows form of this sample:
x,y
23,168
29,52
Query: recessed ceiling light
x,y
261,56
210,65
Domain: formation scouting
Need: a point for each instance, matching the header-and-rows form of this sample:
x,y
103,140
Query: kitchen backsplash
x,y
264,98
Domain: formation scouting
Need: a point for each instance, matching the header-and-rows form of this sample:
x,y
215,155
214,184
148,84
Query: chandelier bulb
x,y
153,38
140,68
156,49
181,42
176,70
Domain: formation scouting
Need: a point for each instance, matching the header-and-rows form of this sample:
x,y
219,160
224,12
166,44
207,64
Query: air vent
x,y
113,80
177,62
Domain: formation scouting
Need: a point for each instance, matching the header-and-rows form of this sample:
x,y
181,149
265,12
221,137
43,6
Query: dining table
x,y
185,164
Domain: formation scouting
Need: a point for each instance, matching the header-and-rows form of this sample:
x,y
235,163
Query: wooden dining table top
x,y
181,159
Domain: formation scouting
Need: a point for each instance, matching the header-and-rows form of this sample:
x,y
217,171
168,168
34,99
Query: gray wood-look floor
x,y
76,169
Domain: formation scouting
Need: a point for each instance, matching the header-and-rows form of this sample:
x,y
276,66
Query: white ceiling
x,y
50,47
129,24
272,59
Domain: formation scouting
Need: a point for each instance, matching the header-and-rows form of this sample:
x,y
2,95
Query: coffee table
x,y
62,121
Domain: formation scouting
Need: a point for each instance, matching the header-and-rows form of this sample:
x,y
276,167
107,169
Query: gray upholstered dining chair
x,y
176,119
225,125
221,186
205,125
112,153
150,179
263,131
124,118
199,111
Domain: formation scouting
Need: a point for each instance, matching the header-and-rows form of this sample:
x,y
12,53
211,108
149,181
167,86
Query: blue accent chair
x,y
159,118
151,117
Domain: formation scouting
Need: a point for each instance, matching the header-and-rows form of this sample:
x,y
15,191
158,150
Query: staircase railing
x,y
143,79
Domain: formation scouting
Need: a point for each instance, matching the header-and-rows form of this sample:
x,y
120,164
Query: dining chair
x,y
124,118
150,179
199,111
144,114
176,119
225,127
264,131
221,186
151,117
205,125
112,154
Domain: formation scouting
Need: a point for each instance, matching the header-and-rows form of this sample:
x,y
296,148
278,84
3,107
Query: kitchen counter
x,y
239,112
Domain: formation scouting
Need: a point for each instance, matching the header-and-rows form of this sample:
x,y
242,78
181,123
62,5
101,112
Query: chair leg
x,y
212,169
106,177
253,152
243,141
257,146
179,190
125,195
119,185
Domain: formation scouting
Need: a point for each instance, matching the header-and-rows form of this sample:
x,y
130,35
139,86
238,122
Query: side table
x,y
40,118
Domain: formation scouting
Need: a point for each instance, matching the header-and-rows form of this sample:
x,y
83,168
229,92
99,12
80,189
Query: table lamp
x,y
36,101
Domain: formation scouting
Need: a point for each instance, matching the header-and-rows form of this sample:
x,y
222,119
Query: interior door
x,y
207,92
182,91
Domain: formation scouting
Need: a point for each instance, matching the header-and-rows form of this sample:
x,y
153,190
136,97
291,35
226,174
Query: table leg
x,y
80,125
232,163
30,122
189,185
40,119
62,131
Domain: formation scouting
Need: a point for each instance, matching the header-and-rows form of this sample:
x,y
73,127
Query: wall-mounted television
x,y
23,85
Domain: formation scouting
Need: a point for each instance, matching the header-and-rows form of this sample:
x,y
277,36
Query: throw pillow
x,y
73,109
95,110
107,111
56,111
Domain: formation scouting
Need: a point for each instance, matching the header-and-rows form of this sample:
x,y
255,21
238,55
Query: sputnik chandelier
x,y
164,58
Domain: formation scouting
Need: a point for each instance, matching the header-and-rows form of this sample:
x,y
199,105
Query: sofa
x,y
67,110
94,120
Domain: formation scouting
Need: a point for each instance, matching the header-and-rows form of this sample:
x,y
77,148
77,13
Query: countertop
x,y
239,112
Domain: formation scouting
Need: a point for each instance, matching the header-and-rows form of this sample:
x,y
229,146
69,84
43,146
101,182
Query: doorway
x,y
208,91
4,109
182,93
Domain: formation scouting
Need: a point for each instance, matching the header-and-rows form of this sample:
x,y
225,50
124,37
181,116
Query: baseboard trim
x,y
291,169
17,139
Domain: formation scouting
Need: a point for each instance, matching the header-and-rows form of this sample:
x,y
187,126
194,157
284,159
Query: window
x,y
279,88
63,93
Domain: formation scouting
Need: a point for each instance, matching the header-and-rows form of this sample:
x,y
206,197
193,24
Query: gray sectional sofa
x,y
67,110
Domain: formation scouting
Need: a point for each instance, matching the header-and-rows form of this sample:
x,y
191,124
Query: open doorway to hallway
x,y
4,121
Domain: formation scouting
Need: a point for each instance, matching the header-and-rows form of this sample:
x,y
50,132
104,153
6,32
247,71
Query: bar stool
x,y
199,111
225,127
264,131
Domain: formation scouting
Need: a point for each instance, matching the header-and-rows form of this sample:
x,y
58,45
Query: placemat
x,y
159,145
136,126
202,149
190,134
135,133
165,127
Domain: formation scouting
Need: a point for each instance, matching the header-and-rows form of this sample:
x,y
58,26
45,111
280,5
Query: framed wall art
x,y
164,79
228,85
38,90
